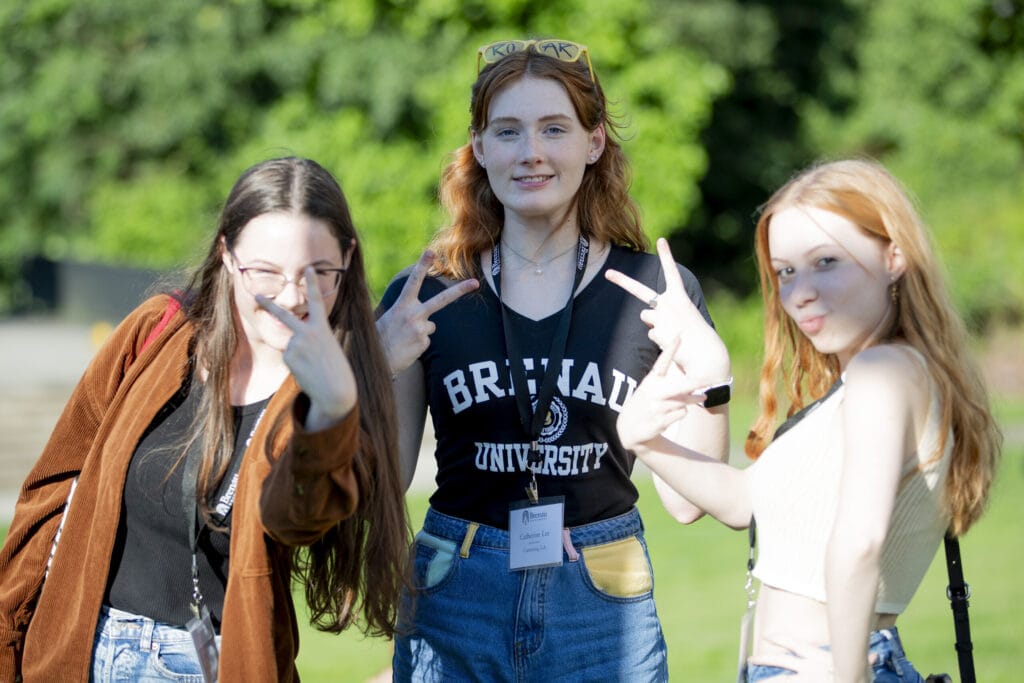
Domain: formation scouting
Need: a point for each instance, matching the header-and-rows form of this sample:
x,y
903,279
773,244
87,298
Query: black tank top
x,y
151,566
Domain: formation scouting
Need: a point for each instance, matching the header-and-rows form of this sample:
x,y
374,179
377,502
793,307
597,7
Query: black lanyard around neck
x,y
533,417
189,484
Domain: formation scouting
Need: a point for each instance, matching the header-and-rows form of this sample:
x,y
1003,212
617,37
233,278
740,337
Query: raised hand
x,y
672,315
659,401
405,328
316,359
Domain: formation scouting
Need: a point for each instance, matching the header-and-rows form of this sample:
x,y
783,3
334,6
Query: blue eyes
x,y
550,131
822,263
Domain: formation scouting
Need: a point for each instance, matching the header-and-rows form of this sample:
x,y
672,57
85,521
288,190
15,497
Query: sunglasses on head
x,y
562,50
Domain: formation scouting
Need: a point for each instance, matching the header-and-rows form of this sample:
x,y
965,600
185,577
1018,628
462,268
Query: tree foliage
x,y
124,124
779,55
945,111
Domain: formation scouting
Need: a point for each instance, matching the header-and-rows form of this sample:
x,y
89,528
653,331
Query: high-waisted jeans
x,y
130,647
471,618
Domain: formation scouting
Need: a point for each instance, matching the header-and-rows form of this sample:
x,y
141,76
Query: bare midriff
x,y
787,618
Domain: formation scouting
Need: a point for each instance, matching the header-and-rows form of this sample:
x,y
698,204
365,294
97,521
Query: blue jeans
x,y
891,666
471,618
129,647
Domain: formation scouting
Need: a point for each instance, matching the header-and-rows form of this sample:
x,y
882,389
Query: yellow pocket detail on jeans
x,y
620,568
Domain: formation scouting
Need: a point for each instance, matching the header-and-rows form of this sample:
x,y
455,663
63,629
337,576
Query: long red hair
x,y
866,194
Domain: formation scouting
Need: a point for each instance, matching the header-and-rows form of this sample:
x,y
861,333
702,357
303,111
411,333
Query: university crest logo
x,y
555,422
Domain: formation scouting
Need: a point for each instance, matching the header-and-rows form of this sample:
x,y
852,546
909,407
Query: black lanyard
x,y
189,483
533,417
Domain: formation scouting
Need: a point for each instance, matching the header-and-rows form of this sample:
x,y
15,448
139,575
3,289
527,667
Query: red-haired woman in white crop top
x,y
898,443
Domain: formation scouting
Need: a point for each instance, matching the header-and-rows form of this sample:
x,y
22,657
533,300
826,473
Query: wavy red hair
x,y
866,194
605,211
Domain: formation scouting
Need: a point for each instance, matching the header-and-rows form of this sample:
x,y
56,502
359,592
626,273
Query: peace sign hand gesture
x,y
660,401
672,315
405,328
315,358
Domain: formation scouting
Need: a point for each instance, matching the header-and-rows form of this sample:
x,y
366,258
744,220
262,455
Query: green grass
x,y
699,574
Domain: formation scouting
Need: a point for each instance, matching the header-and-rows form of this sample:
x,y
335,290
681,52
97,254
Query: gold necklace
x,y
538,266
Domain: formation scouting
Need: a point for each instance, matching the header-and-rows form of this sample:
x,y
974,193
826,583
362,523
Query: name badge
x,y
535,533
205,640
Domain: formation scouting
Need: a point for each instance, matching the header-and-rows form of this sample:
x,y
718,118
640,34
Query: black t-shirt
x,y
482,447
151,567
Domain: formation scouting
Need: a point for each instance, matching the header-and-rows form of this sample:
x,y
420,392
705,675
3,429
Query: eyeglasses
x,y
562,50
270,283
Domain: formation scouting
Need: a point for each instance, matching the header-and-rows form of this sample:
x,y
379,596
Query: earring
x,y
481,162
894,293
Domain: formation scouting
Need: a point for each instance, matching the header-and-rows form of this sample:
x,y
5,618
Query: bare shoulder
x,y
893,371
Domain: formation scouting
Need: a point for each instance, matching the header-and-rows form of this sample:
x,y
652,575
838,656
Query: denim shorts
x,y
129,647
891,666
472,619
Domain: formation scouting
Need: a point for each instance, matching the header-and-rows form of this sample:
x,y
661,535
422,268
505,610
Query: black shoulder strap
x,y
806,410
959,594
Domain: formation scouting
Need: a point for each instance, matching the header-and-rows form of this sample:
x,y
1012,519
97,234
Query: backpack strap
x,y
173,305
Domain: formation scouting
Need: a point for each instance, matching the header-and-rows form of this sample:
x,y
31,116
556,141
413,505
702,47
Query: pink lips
x,y
812,325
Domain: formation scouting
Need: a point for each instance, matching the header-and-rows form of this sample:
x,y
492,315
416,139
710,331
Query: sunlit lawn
x,y
700,571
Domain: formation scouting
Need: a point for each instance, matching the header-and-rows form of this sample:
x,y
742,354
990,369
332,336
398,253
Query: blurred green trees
x,y
125,124
938,94
122,125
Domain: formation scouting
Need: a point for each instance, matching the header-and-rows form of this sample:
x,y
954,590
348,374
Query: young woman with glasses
x,y
220,441
890,441
531,564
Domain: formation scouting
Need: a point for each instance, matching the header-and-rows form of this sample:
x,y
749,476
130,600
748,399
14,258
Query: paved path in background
x,y
40,364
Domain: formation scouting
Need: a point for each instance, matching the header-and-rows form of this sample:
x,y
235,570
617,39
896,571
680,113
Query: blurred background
x,y
124,124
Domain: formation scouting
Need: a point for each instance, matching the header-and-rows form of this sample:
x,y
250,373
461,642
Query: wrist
x,y
645,447
715,373
716,394
386,348
318,419
706,374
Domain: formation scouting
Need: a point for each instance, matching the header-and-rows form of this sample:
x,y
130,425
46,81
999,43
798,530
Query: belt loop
x,y
146,635
570,550
468,540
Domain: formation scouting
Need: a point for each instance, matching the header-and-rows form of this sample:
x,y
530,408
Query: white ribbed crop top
x,y
795,489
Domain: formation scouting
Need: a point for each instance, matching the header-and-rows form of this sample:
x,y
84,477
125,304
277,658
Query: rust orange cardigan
x,y
47,629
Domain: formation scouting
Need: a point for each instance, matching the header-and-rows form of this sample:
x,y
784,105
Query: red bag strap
x,y
173,305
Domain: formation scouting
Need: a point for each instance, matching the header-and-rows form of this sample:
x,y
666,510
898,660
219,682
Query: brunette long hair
x,y
866,194
344,572
605,210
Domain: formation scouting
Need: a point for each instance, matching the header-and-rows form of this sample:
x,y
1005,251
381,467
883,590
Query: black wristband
x,y
717,395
